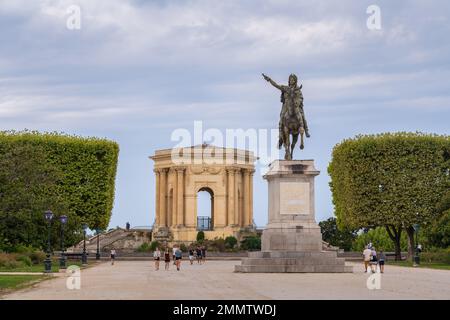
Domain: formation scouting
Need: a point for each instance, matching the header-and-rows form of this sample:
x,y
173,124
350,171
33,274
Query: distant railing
x,y
142,228
203,223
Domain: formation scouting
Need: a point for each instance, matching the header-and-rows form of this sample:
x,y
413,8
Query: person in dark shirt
x,y
204,254
199,255
381,260
167,258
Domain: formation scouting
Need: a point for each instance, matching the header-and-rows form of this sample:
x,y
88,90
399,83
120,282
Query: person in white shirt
x,y
367,253
113,255
157,257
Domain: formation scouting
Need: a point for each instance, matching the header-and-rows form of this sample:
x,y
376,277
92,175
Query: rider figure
x,y
290,94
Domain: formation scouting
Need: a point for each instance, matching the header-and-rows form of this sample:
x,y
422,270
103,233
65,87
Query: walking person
x,y
381,259
113,256
199,255
174,249
167,259
191,255
373,260
157,257
178,256
204,254
366,253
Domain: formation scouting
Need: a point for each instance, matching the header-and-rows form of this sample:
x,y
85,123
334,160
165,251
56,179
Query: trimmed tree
x,y
392,180
70,175
444,205
28,187
438,232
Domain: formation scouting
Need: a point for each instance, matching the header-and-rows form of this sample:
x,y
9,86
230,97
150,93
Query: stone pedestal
x,y
291,241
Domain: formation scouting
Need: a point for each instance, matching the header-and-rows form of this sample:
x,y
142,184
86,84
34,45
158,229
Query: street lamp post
x,y
84,256
416,253
62,259
48,215
97,255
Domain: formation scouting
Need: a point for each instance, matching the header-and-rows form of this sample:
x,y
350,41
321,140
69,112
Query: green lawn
x,y
423,264
10,282
39,267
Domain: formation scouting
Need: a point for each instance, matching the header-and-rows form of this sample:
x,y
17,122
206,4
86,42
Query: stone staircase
x,y
115,238
328,247
283,261
104,240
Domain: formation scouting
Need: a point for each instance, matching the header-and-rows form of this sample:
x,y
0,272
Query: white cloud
x,y
121,32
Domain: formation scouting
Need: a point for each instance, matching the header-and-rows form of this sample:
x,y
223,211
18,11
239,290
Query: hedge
x,y
394,180
88,167
387,178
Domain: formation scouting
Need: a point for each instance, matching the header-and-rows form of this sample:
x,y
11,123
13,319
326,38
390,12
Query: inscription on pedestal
x,y
294,198
278,242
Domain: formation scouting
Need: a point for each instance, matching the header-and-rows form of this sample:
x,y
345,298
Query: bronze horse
x,y
291,124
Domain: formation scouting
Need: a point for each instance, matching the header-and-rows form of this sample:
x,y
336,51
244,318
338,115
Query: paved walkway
x,y
216,280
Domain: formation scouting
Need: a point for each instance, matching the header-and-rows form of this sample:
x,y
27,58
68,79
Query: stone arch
x,y
210,191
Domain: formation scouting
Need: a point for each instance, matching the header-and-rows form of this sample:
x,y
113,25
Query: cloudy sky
x,y
138,70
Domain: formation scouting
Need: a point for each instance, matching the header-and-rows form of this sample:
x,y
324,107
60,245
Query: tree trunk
x,y
395,235
411,243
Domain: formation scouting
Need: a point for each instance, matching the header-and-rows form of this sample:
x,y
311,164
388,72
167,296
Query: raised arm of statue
x,y
276,85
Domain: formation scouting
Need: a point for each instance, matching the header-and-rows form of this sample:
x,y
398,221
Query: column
x,y
174,197
246,187
189,209
236,196
157,208
230,213
180,196
225,200
250,198
163,197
